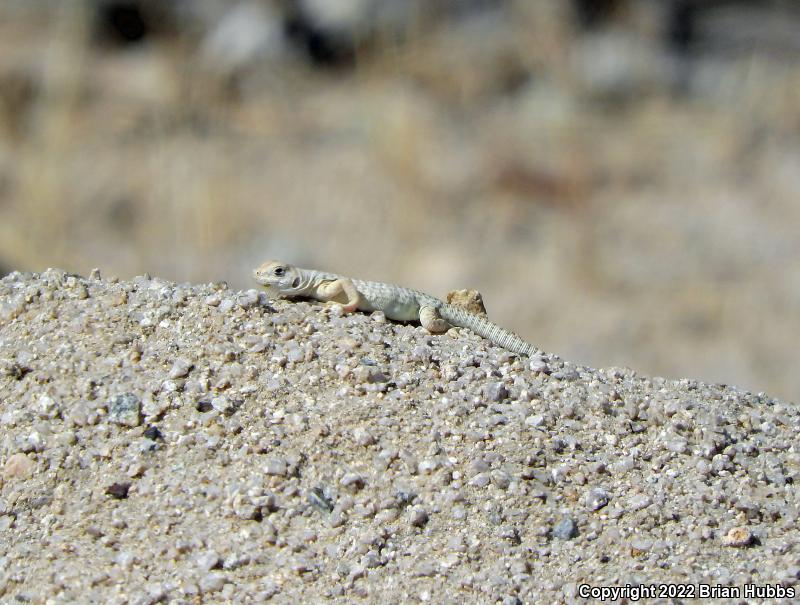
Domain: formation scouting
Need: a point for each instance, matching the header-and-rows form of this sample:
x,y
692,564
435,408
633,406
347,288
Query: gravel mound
x,y
175,443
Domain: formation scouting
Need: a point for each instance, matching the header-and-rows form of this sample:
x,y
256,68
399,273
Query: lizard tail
x,y
461,318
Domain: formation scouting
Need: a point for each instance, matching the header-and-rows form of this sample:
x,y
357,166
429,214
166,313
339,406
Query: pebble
x,y
480,480
566,529
738,537
209,560
212,582
18,466
371,560
356,572
639,501
677,445
317,497
118,490
48,408
294,353
500,479
125,409
496,392
248,299
153,433
596,498
276,466
363,437
422,353
640,545
418,517
353,481
125,559
537,364
535,420
222,404
180,368
425,569
34,442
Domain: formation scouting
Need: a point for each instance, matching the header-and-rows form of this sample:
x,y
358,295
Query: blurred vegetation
x,y
619,179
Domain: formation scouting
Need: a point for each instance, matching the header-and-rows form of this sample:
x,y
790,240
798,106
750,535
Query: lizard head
x,y
282,277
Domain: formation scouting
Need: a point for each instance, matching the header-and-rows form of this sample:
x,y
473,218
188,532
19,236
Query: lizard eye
x,y
279,271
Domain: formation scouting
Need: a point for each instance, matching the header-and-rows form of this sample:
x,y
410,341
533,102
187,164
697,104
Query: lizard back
x,y
397,302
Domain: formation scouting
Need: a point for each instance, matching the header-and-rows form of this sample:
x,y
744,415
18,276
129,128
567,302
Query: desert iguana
x,y
396,302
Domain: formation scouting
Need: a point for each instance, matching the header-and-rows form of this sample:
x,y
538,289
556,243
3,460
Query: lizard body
x,y
396,302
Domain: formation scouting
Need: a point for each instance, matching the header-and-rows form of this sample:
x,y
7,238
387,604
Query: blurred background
x,y
620,179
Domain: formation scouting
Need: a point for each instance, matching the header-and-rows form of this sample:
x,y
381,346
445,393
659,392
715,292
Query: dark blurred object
x,y
627,49
131,22
18,90
123,21
121,214
771,26
592,13
324,47
327,33
691,26
680,30
540,185
332,32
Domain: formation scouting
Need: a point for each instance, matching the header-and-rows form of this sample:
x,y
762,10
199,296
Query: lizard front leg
x,y
330,290
431,320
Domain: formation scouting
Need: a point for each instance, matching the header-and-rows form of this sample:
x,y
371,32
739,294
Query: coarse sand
x,y
177,443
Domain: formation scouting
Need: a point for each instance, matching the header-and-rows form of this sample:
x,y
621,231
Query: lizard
x,y
396,302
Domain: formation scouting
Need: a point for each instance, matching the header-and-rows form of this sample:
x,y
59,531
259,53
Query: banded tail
x,y
457,316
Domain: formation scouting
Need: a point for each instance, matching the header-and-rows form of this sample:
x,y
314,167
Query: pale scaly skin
x,y
396,302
